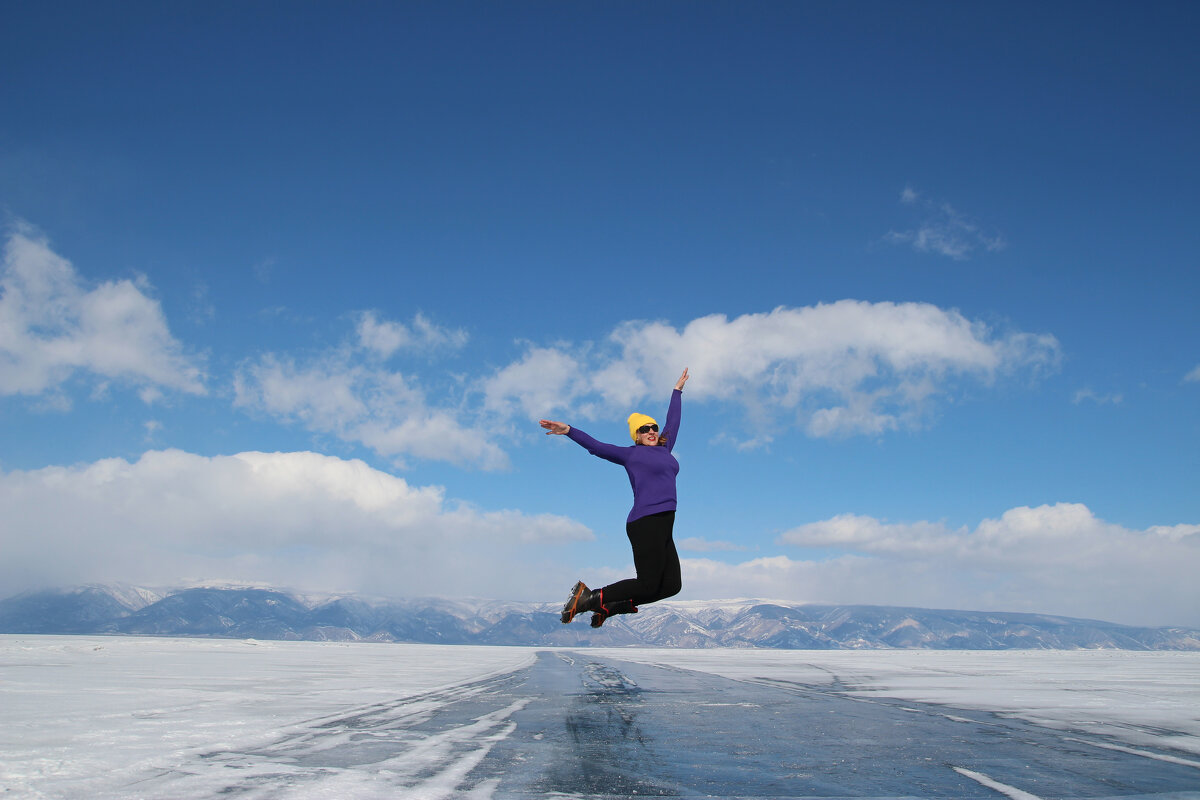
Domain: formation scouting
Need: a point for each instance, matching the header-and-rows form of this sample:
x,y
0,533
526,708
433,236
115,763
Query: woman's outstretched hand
x,y
556,428
682,380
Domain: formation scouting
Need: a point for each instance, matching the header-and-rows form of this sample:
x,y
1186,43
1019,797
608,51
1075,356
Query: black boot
x,y
580,600
611,610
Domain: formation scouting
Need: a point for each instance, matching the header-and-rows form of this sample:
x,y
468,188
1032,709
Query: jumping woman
x,y
652,470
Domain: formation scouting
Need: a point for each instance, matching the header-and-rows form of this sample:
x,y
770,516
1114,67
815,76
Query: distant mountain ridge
x,y
263,613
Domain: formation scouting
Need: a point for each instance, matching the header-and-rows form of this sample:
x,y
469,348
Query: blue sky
x,y
287,286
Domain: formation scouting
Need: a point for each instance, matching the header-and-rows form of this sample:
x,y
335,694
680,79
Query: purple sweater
x,y
651,470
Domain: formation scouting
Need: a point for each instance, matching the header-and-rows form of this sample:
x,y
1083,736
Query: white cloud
x,y
432,435
1055,559
943,230
852,532
1193,376
1177,533
384,338
346,391
382,410
841,368
289,519
322,395
54,327
543,381
1089,395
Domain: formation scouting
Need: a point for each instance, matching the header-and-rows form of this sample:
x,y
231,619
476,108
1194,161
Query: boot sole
x,y
571,608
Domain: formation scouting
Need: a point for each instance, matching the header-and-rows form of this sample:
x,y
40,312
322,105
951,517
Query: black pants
x,y
656,562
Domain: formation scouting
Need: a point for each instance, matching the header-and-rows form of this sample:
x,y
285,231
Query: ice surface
x,y
106,717
82,715
1146,698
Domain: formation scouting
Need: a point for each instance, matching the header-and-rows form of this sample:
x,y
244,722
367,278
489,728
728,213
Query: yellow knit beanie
x,y
638,420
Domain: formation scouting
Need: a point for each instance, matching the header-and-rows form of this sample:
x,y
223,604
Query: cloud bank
x,y
320,523
1050,559
290,519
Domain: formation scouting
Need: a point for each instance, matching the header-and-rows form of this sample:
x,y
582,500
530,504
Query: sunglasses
x,y
647,429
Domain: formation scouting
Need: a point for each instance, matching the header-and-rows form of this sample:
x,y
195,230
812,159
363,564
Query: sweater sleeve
x,y
609,452
674,414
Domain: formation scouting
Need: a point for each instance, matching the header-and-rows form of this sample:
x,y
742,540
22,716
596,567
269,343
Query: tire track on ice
x,y
422,746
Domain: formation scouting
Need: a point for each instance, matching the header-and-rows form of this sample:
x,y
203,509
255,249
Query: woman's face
x,y
648,435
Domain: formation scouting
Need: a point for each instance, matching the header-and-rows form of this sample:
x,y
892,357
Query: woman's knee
x,y
670,587
672,581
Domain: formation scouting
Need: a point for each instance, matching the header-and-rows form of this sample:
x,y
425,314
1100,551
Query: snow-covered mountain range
x,y
263,613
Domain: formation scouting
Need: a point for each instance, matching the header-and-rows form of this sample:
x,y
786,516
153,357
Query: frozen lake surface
x,y
100,717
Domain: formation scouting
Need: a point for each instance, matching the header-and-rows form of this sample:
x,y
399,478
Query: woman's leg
x,y
672,575
655,560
